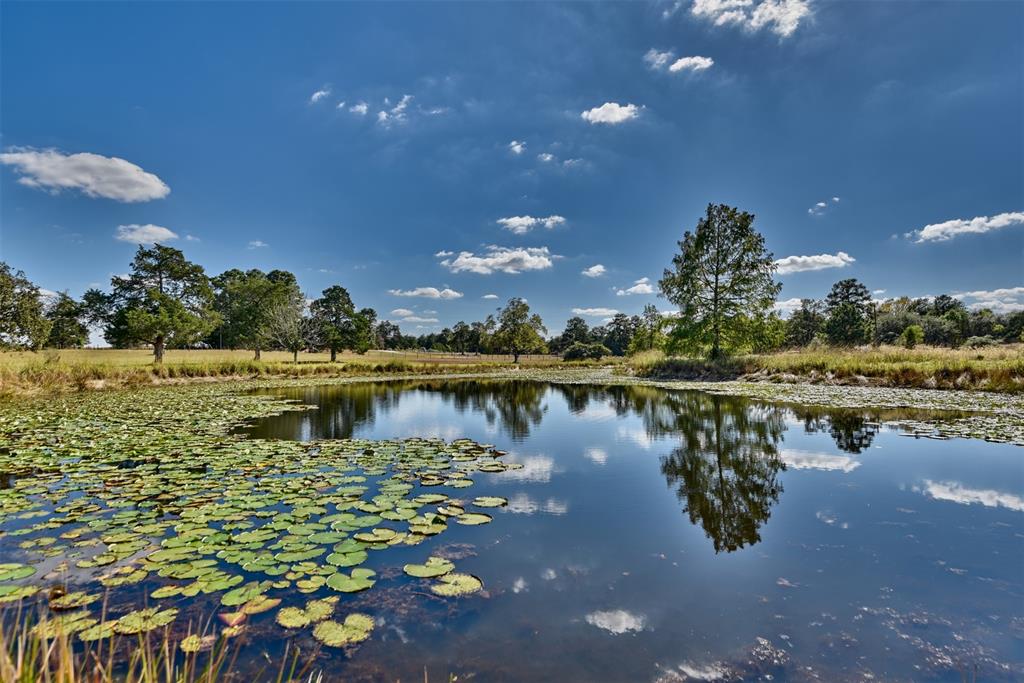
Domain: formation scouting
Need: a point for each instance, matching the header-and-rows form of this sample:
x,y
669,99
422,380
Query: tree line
x,y
721,281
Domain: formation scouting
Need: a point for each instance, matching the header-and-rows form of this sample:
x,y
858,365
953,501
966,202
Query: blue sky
x,y
600,130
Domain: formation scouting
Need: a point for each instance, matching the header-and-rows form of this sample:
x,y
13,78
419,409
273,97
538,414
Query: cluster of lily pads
x,y
150,494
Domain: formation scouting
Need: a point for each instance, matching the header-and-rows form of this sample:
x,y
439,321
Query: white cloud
x,y
596,270
144,234
93,174
692,64
595,312
806,460
319,95
402,312
443,253
517,147
522,504
611,113
546,157
942,232
800,264
519,585
641,286
658,60
257,244
340,105
821,207
520,225
535,468
782,17
598,456
786,307
573,163
956,492
501,259
489,296
192,238
617,621
1005,300
359,109
396,114
418,319
427,292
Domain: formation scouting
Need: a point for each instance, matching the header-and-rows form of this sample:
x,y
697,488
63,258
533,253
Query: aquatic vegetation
x,y
434,566
153,490
454,585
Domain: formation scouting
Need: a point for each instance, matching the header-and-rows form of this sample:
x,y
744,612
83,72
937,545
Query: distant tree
x,y
586,351
165,300
648,335
597,334
576,330
805,323
621,329
67,331
519,331
849,308
389,335
22,322
890,326
462,337
944,304
244,301
365,321
939,331
911,337
723,272
287,328
334,316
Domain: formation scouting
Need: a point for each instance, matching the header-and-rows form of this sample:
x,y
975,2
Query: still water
x,y
655,535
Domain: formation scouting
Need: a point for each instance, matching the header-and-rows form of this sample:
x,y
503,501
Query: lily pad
x,y
143,620
454,585
434,566
355,629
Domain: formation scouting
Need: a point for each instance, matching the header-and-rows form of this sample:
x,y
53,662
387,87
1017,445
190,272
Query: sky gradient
x,y
437,159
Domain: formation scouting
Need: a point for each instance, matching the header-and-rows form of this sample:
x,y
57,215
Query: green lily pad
x,y
355,629
143,620
11,571
434,566
473,518
490,501
453,585
359,580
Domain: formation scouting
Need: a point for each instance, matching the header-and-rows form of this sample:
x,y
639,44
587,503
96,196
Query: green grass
x,y
990,369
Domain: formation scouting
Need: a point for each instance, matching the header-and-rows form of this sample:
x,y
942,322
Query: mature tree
x,y
462,337
165,300
389,335
621,329
576,330
519,331
287,328
722,274
335,318
68,331
849,308
648,333
805,323
22,322
244,301
365,321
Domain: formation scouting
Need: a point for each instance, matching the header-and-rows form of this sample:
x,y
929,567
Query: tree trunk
x,y
515,357
334,354
257,356
158,349
295,356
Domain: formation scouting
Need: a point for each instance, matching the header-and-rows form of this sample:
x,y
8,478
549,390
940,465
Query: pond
x,y
665,536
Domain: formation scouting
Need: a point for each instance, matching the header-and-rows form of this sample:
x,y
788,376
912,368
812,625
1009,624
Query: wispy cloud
x,y
641,286
781,17
517,147
800,264
520,225
144,234
319,95
616,621
1005,300
257,244
427,292
359,109
501,259
418,319
596,270
942,232
666,61
595,312
397,113
955,492
611,113
786,307
92,174
489,296
821,207
402,312
808,460
657,59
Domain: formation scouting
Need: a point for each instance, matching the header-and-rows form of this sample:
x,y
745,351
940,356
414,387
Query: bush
x,y
890,326
912,336
940,331
979,342
581,351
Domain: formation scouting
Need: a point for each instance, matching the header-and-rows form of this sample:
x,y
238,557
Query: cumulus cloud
x,y
611,113
144,234
658,60
319,95
520,225
800,264
955,492
596,270
806,460
427,292
942,232
781,17
489,296
692,64
786,307
546,157
1004,300
617,621
501,259
641,286
359,109
595,312
821,207
94,175
517,147
397,114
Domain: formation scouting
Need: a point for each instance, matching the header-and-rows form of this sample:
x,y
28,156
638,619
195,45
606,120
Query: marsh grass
x,y
991,369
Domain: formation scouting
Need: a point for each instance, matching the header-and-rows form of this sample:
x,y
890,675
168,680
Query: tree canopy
x,y
519,331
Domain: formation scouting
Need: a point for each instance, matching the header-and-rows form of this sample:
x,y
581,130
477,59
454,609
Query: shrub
x,y
979,342
912,336
581,351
